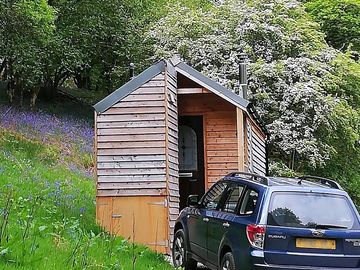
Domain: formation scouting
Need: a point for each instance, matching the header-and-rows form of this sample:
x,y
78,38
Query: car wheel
x,y
179,252
228,262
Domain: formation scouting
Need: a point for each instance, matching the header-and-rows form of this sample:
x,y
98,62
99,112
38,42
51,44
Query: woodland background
x,y
303,60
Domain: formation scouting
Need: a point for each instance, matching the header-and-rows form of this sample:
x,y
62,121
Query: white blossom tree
x,y
289,67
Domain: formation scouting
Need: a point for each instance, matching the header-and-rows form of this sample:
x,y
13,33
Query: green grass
x,y
47,215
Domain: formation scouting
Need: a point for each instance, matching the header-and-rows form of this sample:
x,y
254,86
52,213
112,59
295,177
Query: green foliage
x,y
47,215
339,20
344,162
91,42
26,29
100,31
346,80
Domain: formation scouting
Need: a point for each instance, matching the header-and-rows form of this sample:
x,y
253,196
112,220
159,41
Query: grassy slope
x,y
47,209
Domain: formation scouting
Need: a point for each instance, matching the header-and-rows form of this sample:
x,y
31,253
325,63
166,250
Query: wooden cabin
x,y
168,133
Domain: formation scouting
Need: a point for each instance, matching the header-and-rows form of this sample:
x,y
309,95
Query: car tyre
x,y
228,262
179,255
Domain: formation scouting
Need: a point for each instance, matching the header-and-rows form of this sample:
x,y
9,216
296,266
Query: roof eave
x,y
211,85
129,87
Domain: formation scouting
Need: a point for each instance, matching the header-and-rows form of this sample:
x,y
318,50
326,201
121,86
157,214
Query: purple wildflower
x,y
57,184
70,197
69,131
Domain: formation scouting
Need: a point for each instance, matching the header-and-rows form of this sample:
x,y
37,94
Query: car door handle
x,y
226,225
206,219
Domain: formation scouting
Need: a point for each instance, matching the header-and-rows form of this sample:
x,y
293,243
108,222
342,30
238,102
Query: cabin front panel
x,y
220,133
131,152
133,218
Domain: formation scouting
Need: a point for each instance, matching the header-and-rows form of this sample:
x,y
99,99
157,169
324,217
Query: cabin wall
x,y
220,132
172,149
132,166
256,149
131,140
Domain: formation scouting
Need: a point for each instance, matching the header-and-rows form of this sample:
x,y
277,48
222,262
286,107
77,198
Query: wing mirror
x,y
193,200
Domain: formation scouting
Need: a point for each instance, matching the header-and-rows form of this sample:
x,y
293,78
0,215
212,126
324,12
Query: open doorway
x,y
191,157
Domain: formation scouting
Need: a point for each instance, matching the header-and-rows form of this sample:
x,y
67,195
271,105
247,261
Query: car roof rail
x,y
253,177
322,180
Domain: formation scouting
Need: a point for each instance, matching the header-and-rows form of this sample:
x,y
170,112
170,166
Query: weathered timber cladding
x,y
220,132
136,148
131,143
172,151
256,149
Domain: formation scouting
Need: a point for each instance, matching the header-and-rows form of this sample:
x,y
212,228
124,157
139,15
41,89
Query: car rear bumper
x,y
295,267
258,263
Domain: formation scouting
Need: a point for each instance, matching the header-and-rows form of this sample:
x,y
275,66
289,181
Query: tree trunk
x,y
82,78
21,102
2,70
11,90
10,78
47,89
34,95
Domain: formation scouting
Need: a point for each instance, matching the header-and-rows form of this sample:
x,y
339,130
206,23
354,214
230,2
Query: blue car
x,y
246,221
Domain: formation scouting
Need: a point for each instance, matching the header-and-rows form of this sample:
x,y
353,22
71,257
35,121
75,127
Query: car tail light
x,y
256,235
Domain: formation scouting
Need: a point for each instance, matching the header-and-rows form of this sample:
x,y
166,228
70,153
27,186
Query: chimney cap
x,y
131,70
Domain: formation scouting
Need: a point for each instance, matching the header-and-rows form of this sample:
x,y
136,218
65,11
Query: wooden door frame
x,y
204,145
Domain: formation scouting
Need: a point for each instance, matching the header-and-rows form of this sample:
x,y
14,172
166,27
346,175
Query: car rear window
x,y
311,210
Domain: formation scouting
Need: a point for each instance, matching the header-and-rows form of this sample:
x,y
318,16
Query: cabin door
x,y
191,157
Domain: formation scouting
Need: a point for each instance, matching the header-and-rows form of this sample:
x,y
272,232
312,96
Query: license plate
x,y
315,243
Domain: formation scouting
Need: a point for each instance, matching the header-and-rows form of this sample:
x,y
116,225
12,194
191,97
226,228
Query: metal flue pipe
x,y
243,76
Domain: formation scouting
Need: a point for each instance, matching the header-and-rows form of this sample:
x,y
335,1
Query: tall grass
x,y
47,210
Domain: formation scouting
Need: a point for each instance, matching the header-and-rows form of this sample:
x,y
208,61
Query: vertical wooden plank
x,y
250,149
240,137
166,101
95,148
246,145
103,212
172,117
206,179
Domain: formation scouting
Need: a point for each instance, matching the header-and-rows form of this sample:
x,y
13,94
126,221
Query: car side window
x,y
233,198
212,198
248,204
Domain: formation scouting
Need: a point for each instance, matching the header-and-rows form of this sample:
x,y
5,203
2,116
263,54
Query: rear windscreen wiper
x,y
329,226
